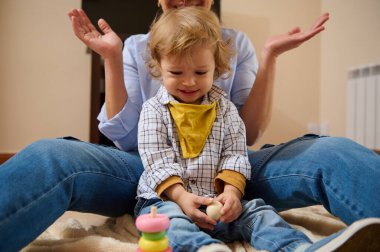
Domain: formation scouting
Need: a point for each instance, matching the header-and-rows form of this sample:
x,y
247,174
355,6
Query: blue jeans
x,y
335,172
49,177
259,224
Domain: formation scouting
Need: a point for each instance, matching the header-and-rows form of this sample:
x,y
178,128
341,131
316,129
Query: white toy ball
x,y
214,210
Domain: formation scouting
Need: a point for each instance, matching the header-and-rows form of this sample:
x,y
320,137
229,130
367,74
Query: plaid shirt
x,y
160,149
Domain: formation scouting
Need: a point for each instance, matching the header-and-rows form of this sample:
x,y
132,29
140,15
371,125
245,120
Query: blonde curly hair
x,y
178,31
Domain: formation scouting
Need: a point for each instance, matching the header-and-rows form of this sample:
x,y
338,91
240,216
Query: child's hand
x,y
190,204
106,45
230,199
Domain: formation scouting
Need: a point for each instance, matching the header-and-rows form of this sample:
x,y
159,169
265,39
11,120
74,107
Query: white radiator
x,y
363,105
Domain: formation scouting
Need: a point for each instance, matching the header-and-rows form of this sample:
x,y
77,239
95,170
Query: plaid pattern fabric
x,y
160,149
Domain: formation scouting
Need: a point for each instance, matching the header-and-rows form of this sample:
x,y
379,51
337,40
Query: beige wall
x,y
44,74
311,80
353,40
297,93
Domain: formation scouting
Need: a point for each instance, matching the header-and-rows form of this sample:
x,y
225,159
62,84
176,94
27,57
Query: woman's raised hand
x,y
106,45
279,44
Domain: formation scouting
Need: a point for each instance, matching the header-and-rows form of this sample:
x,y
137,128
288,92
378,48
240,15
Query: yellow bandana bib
x,y
194,124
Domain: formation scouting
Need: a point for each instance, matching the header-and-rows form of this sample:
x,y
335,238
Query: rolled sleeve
x,y
231,177
119,130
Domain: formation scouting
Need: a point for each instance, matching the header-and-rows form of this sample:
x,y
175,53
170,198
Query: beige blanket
x,y
76,232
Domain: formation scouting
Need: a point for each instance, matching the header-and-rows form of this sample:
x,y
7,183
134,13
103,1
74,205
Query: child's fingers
x,y
226,207
202,200
203,220
233,211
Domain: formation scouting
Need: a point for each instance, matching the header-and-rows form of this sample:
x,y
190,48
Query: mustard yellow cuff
x,y
231,177
168,183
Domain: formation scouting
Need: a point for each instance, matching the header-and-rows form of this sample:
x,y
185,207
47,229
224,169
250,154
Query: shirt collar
x,y
214,94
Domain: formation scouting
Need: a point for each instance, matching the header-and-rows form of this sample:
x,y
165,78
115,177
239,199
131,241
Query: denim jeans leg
x,y
49,177
183,234
336,172
261,226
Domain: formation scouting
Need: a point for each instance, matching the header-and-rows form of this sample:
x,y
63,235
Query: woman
x,y
52,176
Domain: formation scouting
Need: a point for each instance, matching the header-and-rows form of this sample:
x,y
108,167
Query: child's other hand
x,y
230,199
190,204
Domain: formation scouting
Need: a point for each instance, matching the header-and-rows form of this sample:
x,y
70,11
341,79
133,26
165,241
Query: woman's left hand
x,y
279,44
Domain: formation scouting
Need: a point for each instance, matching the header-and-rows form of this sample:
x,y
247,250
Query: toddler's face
x,y
188,79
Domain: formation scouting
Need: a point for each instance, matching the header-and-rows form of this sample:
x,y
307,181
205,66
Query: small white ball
x,y
214,210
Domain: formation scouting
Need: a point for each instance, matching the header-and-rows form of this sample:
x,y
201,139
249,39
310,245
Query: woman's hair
x,y
178,31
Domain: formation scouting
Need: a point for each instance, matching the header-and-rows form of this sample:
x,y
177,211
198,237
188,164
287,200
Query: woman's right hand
x,y
106,45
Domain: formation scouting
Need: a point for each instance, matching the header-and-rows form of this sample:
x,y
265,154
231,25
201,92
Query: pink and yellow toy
x,y
153,227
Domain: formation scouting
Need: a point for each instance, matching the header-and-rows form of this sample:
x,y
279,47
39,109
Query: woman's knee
x,y
53,155
336,144
57,149
340,149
